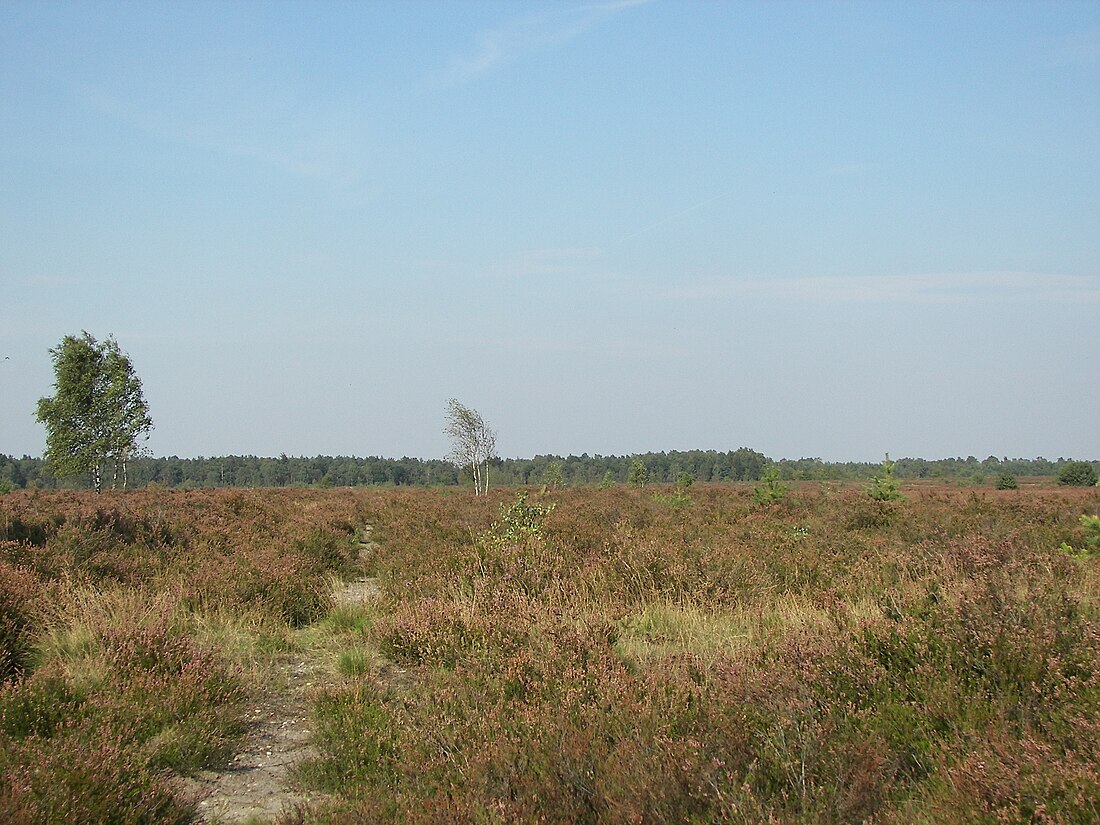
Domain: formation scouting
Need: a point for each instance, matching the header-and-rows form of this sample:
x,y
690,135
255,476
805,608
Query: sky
x,y
813,229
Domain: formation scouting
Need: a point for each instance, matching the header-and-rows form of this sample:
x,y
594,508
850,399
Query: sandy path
x,y
256,782
256,785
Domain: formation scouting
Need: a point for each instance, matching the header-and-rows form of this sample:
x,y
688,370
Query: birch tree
x,y
473,443
97,413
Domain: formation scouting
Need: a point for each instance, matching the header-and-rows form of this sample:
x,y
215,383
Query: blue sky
x,y
813,229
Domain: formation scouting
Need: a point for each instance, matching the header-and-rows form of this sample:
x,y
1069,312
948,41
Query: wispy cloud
x,y
953,288
519,37
548,262
268,128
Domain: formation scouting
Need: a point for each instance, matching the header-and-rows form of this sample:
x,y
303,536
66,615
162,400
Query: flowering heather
x,y
637,655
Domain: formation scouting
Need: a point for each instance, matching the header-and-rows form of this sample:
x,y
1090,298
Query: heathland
x,y
702,653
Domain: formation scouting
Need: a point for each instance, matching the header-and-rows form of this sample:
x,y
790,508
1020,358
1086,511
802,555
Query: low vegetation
x,y
133,629
574,655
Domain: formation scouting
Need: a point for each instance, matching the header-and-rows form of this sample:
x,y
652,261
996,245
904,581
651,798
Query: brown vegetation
x,y
630,655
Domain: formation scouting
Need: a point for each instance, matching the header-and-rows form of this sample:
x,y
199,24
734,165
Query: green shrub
x,y
1091,548
1091,525
772,489
552,477
518,522
1077,474
884,487
1007,481
356,735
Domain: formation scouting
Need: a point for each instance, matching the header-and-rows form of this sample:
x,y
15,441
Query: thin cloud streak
x,y
517,38
957,288
286,134
549,262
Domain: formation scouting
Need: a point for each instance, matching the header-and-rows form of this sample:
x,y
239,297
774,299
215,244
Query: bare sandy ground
x,y
256,785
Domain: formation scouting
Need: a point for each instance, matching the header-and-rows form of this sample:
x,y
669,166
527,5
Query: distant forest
x,y
660,468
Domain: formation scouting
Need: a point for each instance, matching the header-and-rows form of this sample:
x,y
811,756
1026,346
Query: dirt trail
x,y
255,786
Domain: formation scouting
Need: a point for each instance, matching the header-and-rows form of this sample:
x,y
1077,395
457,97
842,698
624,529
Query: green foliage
x,y
678,498
585,470
884,486
1077,474
1091,525
355,732
473,443
771,490
519,521
552,477
98,412
608,481
1091,549
639,475
1007,481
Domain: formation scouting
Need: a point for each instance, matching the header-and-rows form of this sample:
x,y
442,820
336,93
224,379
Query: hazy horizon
x,y
821,229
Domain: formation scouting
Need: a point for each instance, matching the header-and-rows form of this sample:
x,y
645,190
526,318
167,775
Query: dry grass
x,y
638,657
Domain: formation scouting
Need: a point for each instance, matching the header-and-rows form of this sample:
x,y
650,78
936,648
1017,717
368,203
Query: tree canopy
x,y
1077,474
473,443
98,412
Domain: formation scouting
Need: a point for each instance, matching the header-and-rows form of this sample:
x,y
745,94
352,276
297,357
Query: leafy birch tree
x,y
473,443
98,413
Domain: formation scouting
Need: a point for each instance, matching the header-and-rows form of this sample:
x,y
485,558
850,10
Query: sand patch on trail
x,y
256,784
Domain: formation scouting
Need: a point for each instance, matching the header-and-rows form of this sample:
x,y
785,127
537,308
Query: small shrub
x,y
771,489
356,661
1091,549
356,735
1091,525
92,775
1007,481
885,487
18,618
518,522
552,477
639,475
678,498
38,706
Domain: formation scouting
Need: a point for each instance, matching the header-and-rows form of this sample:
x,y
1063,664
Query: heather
x,y
703,653
662,656
135,627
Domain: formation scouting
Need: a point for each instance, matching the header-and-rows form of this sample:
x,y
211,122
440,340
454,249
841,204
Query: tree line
x,y
97,421
575,470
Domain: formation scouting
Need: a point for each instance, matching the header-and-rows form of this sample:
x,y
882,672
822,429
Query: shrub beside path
x,y
256,785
